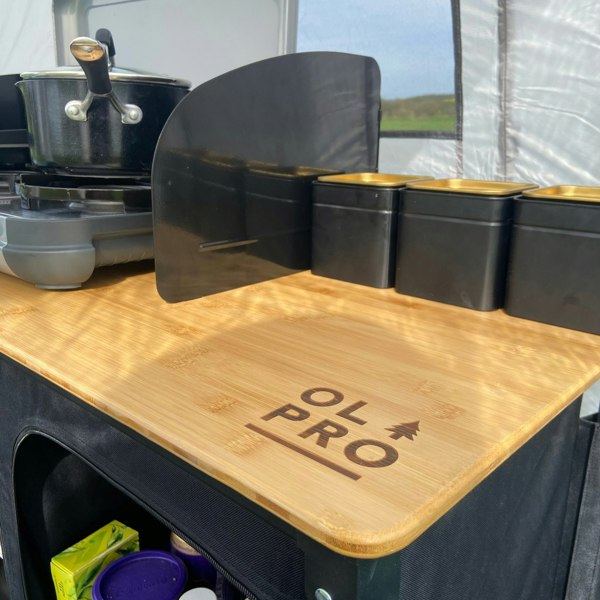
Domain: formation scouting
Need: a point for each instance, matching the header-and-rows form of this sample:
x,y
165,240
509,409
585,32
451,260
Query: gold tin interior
x,y
372,179
472,186
577,193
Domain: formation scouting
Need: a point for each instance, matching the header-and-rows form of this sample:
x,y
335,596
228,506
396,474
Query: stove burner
x,y
96,207
74,173
8,181
54,231
87,195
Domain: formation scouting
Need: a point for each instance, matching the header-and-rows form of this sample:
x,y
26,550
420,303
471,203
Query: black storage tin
x,y
554,268
452,244
355,228
215,179
278,204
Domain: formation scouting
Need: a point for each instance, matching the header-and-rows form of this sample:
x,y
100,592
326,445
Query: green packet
x,y
75,569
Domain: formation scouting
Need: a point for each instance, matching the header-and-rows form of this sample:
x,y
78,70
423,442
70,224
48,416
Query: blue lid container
x,y
146,575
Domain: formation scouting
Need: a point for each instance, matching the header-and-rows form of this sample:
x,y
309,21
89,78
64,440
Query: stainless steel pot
x,y
96,119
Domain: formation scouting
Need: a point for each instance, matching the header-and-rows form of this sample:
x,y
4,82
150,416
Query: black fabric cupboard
x,y
67,468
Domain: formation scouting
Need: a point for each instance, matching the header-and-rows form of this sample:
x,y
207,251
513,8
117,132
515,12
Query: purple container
x,y
146,575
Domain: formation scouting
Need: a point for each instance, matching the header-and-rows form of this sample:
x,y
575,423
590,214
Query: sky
x,y
410,39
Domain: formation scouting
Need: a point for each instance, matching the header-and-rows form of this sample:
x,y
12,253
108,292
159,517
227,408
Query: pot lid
x,y
115,74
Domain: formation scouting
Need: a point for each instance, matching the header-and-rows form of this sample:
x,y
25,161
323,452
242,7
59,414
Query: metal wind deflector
x,y
234,166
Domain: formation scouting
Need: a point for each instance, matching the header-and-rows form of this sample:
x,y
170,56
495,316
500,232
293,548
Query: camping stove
x,y
55,230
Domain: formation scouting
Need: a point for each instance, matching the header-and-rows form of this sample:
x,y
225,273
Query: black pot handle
x,y
104,36
92,56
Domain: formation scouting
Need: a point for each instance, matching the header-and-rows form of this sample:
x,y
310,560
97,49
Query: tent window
x,y
417,46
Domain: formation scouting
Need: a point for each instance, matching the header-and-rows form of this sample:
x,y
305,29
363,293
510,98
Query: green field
x,y
437,123
420,113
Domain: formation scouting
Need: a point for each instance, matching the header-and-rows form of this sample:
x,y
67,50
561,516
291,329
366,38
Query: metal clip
x,y
77,110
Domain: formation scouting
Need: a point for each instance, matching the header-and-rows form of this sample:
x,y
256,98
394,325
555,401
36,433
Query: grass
x,y
434,123
434,112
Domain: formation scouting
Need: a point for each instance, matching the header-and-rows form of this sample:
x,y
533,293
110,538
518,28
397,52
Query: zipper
x,y
240,586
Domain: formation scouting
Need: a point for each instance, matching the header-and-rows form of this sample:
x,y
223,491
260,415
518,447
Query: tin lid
x,y
576,193
292,172
472,186
372,179
146,575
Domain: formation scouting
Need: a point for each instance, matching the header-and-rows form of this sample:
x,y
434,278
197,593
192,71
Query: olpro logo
x,y
338,419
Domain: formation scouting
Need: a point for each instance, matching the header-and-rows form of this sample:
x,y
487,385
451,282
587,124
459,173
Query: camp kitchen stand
x,y
315,438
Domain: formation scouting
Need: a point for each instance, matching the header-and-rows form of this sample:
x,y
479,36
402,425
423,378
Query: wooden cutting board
x,y
358,415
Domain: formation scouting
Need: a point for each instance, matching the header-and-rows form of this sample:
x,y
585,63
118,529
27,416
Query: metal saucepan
x,y
97,119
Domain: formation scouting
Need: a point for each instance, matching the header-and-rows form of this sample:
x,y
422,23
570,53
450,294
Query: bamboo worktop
x,y
439,395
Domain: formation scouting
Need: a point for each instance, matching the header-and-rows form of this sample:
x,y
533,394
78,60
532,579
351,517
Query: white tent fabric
x,y
530,87
192,39
552,87
27,36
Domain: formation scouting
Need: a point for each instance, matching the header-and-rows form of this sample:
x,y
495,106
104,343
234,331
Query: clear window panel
x,y
412,40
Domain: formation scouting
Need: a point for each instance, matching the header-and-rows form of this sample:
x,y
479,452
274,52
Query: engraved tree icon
x,y
407,430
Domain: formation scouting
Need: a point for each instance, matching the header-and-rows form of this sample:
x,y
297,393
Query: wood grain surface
x,y
358,415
